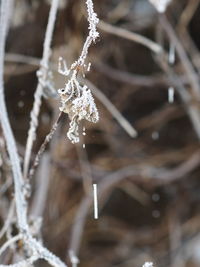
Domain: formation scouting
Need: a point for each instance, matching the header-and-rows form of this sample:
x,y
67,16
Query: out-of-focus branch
x,y
190,107
189,69
42,185
154,47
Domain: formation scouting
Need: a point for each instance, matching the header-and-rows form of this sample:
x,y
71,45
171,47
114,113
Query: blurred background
x,y
148,186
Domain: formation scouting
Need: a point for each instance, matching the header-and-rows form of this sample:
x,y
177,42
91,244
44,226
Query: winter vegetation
x,y
99,133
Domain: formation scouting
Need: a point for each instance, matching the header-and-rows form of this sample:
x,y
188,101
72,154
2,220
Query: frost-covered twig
x,y
24,263
8,219
38,251
76,99
42,79
10,141
9,242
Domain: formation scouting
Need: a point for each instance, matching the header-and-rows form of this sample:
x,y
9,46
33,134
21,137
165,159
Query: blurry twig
x,y
189,69
190,106
85,168
156,48
9,242
42,184
175,237
185,37
130,78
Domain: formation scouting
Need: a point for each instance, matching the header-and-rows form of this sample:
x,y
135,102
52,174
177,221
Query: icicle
x,y
95,201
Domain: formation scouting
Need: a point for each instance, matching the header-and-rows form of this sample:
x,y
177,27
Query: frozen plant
x,y
76,99
160,5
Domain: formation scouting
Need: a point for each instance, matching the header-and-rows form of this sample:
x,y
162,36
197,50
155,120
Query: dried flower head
x,y
160,5
76,99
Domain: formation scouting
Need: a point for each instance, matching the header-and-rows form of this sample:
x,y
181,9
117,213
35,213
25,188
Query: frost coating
x,y
160,5
76,99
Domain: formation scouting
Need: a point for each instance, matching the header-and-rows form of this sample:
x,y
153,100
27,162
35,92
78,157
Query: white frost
x,y
76,99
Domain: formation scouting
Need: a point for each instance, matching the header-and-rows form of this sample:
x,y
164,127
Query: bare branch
x,y
42,77
135,37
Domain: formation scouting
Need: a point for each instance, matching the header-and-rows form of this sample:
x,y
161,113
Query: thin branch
x,y
42,77
154,47
21,206
8,219
42,185
44,145
24,263
190,107
189,69
9,242
10,141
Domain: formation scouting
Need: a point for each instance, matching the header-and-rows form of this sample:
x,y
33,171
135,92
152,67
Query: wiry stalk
x,y
10,141
42,77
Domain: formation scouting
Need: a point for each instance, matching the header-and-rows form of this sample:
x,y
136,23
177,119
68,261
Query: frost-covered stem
x,y
23,263
38,250
10,242
44,144
8,219
10,141
42,76
93,34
